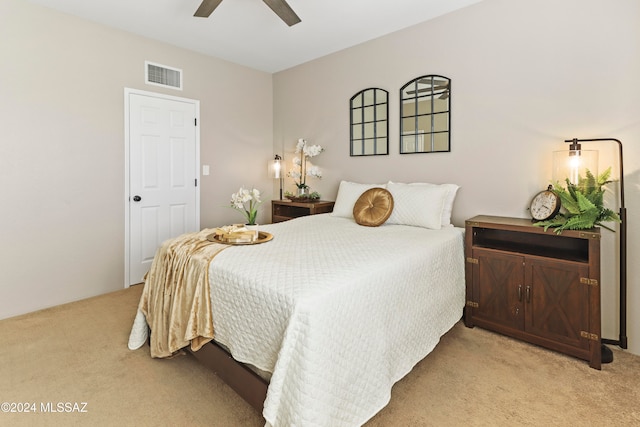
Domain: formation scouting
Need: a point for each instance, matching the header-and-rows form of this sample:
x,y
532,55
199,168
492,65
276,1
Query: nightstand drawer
x,y
283,210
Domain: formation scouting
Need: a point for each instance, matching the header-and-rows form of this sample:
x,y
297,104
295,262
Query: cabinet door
x,y
498,283
557,303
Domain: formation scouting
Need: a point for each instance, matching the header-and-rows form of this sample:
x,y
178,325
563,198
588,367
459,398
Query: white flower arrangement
x,y
302,168
239,202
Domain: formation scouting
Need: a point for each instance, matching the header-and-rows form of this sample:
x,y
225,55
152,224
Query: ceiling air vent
x,y
161,75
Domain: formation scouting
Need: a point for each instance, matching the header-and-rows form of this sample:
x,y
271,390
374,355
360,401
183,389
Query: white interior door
x,y
163,192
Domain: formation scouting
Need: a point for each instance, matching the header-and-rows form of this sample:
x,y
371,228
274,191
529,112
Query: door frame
x,y
127,145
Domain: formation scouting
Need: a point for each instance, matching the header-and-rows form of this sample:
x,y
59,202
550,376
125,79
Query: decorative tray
x,y
263,237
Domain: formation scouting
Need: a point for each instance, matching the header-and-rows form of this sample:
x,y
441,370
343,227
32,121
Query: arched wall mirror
x,y
369,110
425,115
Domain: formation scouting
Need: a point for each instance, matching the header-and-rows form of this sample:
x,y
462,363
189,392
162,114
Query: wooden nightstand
x,y
283,210
537,286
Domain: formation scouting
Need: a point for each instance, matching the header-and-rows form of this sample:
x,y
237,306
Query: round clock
x,y
545,205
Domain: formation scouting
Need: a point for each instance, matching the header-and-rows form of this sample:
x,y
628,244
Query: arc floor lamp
x,y
576,152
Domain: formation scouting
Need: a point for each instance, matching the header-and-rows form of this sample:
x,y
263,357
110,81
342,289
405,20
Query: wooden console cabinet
x,y
283,210
537,286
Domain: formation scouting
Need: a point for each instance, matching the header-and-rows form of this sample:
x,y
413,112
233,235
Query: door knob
x,y
137,198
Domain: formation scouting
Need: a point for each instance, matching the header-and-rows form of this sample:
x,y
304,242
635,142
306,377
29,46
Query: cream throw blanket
x,y
176,296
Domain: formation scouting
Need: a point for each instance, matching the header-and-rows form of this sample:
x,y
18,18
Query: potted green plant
x,y
582,204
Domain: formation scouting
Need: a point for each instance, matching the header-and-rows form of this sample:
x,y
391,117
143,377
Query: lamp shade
x,y
276,168
573,164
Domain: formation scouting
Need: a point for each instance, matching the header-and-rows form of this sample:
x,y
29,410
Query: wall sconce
x,y
277,171
576,164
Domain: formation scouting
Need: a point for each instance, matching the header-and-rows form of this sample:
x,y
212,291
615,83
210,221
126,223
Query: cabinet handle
x,y
520,293
528,292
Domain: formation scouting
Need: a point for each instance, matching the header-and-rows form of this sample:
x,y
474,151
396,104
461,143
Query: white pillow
x,y
417,205
450,197
348,194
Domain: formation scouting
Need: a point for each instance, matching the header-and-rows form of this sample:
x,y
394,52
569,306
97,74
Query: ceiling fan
x,y
280,7
438,85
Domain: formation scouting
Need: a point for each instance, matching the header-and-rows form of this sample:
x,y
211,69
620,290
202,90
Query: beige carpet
x,y
77,353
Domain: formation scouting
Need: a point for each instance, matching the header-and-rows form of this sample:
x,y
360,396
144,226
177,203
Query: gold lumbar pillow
x,y
373,207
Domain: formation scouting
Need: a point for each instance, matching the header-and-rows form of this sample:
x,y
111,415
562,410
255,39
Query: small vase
x,y
303,192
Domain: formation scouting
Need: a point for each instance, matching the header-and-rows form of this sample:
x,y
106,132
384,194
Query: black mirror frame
x,y
446,91
375,122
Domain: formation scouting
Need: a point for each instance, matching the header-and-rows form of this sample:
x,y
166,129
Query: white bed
x,y
336,312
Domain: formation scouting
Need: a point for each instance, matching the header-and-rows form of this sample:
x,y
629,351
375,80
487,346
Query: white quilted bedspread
x,y
337,312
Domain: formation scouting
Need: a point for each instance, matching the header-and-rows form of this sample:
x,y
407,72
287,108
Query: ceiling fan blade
x,y
424,89
435,81
284,11
206,8
444,94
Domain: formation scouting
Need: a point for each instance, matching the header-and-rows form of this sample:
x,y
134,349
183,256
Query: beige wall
x,y
62,83
525,76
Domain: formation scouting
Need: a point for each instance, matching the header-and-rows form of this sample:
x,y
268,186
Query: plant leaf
x,y
583,204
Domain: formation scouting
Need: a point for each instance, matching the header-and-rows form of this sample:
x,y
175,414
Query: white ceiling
x,y
247,32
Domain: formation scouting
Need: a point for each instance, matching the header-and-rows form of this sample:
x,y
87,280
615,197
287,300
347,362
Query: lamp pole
x,y
622,340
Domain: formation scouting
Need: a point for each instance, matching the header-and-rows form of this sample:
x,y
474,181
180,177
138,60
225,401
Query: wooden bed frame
x,y
249,385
